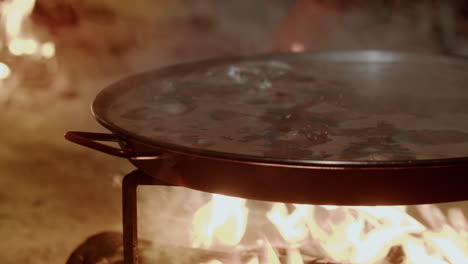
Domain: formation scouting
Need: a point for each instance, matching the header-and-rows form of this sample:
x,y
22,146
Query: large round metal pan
x,y
347,128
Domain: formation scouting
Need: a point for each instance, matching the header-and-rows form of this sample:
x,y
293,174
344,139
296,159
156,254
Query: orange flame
x,y
18,41
223,220
269,254
361,235
293,227
254,261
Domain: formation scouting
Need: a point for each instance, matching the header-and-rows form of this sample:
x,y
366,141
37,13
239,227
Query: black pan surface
x,y
338,108
347,128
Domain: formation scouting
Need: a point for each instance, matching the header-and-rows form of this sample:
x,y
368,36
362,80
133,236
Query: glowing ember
x,y
341,234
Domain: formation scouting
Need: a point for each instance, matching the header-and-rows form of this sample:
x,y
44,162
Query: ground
x,y
53,194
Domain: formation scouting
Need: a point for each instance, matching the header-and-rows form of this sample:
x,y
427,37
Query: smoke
x,y
166,213
421,26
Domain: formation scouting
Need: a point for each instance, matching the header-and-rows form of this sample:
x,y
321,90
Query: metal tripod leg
x,y
129,219
129,210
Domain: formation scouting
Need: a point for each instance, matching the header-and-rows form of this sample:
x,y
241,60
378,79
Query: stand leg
x,y
129,208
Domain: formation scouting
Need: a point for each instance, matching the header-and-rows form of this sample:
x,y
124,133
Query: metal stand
x,y
129,208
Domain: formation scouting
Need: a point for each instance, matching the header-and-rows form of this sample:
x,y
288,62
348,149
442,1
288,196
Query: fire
x,y
253,261
17,39
14,12
338,234
269,254
222,220
293,227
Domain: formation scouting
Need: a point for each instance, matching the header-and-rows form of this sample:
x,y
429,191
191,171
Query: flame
x,y
18,40
370,232
269,254
342,234
14,12
254,261
215,261
294,256
222,220
293,227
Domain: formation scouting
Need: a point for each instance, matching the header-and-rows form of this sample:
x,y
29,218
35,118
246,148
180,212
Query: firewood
x,y
396,255
99,248
107,248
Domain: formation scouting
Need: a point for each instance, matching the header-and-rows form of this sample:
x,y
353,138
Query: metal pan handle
x,y
89,139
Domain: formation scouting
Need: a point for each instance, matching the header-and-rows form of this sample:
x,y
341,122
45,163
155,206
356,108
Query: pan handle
x,y
89,139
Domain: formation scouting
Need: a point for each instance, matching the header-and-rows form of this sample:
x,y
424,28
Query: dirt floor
x,y
52,194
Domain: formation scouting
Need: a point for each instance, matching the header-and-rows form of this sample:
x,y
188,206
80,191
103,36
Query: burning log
x,y
107,247
396,255
100,248
305,235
